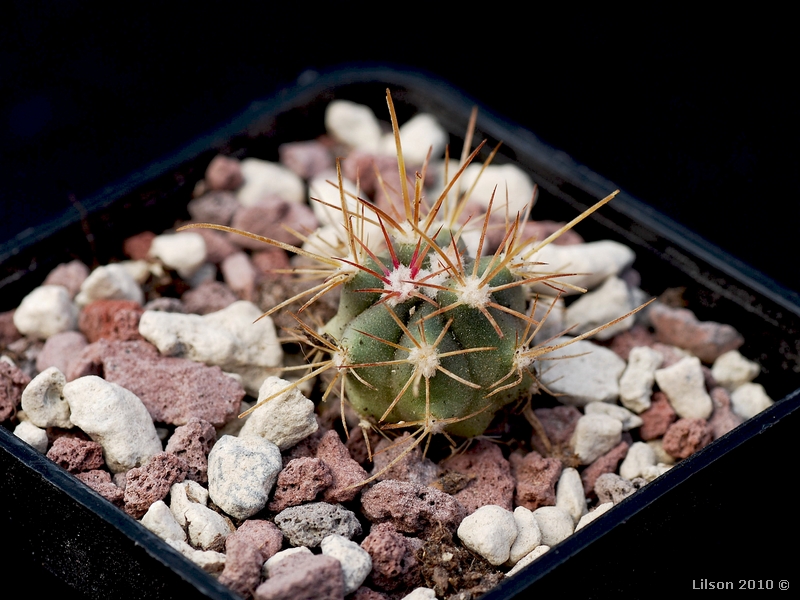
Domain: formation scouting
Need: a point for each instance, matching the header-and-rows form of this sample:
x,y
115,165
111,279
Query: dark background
x,y
695,115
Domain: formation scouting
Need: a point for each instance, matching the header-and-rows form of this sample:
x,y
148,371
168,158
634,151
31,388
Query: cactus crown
x,y
428,335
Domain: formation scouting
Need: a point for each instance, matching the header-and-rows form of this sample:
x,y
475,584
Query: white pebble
x,y
749,399
160,520
595,435
684,385
109,282
116,419
555,523
421,593
355,125
731,370
612,299
489,531
528,559
653,471
640,456
285,419
356,562
241,473
211,562
620,413
661,455
518,182
207,528
528,535
569,494
43,400
32,435
418,135
597,512
636,383
184,494
184,251
47,310
263,179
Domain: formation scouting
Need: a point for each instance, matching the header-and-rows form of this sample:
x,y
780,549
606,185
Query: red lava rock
x,y
192,442
240,275
536,479
345,472
301,480
208,297
151,482
490,474
411,508
365,593
60,350
224,173
8,331
262,534
394,562
100,482
173,389
360,166
12,382
559,424
623,342
268,260
243,560
610,487
357,445
680,327
218,246
657,419
70,275
137,247
605,464
686,436
542,229
216,206
412,467
267,217
111,319
304,576
76,455
306,158
723,419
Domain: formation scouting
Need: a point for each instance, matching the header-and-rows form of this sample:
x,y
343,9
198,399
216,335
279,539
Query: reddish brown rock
x,y
243,560
70,275
267,217
536,478
489,475
543,229
240,275
657,419
218,246
8,331
680,327
686,436
360,166
192,442
304,576
411,466
269,260
208,297
306,158
12,383
100,482
60,350
559,424
216,206
173,389
365,593
411,508
224,173
358,445
137,247
723,419
623,342
301,480
76,455
346,473
605,464
151,482
262,534
111,319
394,562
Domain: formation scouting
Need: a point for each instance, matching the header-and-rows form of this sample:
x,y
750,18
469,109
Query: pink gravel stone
x,y
365,593
301,480
306,158
345,472
270,259
240,275
412,467
71,275
216,206
192,442
304,577
657,419
723,419
605,464
208,297
623,342
542,229
224,173
411,508
680,327
60,350
686,436
242,572
76,455
490,477
394,562
151,482
559,424
173,389
137,247
267,217
8,331
218,246
12,382
100,482
262,534
536,479
111,319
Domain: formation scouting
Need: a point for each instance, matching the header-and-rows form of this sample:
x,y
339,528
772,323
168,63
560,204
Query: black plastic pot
x,y
667,537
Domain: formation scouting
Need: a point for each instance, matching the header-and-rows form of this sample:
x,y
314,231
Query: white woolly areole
x,y
425,359
473,292
400,285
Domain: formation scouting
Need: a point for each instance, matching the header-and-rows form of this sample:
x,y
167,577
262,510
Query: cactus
x,y
426,336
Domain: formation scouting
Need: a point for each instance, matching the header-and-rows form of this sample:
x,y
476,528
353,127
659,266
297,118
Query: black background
x,y
694,114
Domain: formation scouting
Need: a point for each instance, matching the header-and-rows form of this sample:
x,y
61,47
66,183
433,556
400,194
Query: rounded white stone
x,y
207,528
636,383
109,282
685,388
528,535
591,516
355,125
47,310
421,593
418,135
160,520
43,400
210,561
32,435
594,436
628,419
612,299
555,523
569,494
749,399
640,456
182,495
490,531
184,251
497,179
263,179
528,559
731,370
356,562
